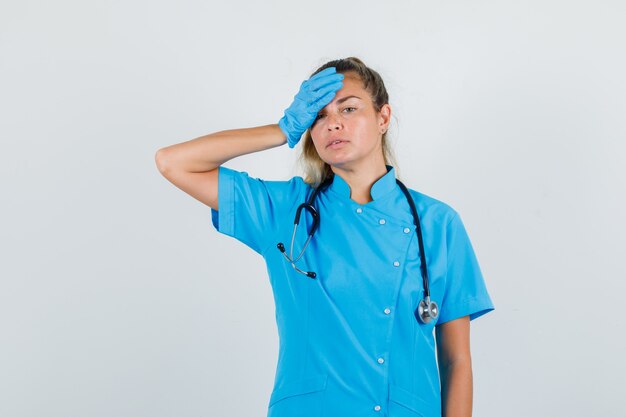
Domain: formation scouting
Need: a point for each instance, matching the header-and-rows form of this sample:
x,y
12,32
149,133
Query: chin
x,y
337,161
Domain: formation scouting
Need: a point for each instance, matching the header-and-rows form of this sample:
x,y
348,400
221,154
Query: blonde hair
x,y
315,169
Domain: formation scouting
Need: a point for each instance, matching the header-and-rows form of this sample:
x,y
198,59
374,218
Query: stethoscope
x,y
427,309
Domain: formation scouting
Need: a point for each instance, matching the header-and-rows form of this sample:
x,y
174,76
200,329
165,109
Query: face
x,y
352,120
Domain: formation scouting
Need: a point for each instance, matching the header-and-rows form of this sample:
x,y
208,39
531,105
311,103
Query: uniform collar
x,y
383,186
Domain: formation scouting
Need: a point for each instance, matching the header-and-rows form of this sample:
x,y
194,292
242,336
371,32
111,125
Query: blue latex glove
x,y
315,93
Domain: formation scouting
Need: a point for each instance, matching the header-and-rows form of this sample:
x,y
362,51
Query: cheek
x,y
314,138
316,143
314,131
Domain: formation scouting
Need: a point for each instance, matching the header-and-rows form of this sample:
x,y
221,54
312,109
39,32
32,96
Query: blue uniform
x,y
349,342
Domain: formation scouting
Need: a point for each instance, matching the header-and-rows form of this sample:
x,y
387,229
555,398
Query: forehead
x,y
352,81
352,86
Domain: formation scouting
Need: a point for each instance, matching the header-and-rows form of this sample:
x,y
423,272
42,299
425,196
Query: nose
x,y
332,121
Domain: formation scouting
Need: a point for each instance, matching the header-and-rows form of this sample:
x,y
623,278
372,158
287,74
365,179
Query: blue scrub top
x,y
349,344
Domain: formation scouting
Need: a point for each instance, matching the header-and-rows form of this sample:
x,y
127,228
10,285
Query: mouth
x,y
335,143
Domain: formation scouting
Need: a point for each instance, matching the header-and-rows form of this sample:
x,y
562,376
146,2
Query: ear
x,y
384,117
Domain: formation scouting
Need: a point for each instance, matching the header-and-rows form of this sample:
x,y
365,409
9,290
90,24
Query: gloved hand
x,y
315,93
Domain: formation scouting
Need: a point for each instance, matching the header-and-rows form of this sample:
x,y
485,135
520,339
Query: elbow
x,y
161,160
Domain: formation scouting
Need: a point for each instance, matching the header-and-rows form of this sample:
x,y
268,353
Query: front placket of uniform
x,y
358,294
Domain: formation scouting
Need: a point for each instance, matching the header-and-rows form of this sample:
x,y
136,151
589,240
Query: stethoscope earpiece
x,y
281,248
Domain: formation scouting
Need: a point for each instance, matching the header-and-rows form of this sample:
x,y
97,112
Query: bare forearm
x,y
456,389
210,151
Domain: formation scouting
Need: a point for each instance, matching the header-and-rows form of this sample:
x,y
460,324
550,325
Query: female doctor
x,y
375,284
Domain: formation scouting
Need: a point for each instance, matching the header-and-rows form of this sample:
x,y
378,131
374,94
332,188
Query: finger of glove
x,y
324,96
309,93
318,105
323,73
314,96
316,85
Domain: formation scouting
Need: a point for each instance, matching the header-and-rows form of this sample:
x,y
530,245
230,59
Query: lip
x,y
330,145
338,145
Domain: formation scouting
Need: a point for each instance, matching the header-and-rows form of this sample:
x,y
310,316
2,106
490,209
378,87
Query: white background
x,y
119,298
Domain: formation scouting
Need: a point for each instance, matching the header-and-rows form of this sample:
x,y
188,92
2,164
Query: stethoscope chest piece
x,y
426,310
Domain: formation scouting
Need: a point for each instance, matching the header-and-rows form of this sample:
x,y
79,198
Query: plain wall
x,y
119,298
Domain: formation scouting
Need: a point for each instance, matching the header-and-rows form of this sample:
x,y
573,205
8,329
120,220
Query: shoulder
x,y
431,208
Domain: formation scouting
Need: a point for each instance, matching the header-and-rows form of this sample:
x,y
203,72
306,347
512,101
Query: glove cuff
x,y
284,126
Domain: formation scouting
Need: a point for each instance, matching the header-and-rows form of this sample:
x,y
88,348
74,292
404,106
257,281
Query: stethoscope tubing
x,y
427,309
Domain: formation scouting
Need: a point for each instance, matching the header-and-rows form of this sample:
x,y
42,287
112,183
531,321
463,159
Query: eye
x,y
353,108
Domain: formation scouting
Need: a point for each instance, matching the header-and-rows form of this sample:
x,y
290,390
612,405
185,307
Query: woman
x,y
353,338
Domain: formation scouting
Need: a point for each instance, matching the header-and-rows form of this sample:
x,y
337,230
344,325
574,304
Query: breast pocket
x,y
403,403
301,398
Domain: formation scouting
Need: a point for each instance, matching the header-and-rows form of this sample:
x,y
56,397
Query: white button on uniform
x,y
396,263
407,230
381,360
387,311
377,407
381,221
359,210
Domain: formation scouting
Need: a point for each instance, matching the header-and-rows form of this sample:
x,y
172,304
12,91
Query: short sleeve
x,y
465,291
251,209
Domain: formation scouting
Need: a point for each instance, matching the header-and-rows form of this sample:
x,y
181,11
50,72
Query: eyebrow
x,y
341,100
